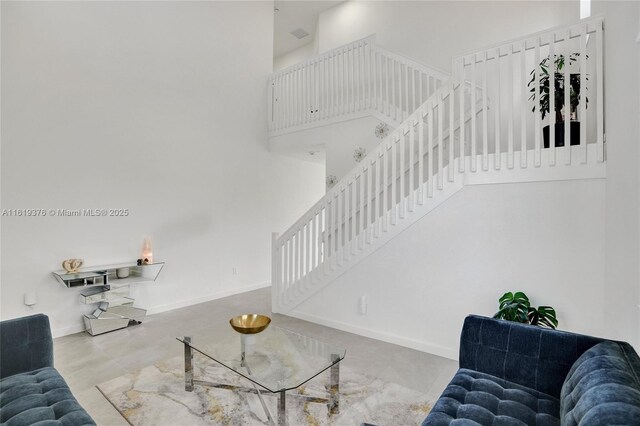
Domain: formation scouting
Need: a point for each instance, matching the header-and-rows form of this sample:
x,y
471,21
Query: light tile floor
x,y
86,361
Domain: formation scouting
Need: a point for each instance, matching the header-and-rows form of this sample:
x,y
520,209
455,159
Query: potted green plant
x,y
559,88
517,308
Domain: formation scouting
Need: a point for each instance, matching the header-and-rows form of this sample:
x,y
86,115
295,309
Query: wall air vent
x,y
299,33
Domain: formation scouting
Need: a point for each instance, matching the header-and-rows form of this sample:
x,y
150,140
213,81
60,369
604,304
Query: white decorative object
x,y
331,181
123,272
382,131
359,154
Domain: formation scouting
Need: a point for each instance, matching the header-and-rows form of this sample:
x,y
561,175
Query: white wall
x,y
432,32
546,239
294,57
158,107
622,109
337,142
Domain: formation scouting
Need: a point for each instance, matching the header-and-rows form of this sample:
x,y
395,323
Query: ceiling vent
x,y
299,33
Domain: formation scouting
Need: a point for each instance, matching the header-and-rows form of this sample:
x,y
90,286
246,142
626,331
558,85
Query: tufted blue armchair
x,y
31,390
517,374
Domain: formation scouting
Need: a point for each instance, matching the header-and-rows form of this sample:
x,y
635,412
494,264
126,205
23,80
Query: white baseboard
x,y
71,329
434,349
219,295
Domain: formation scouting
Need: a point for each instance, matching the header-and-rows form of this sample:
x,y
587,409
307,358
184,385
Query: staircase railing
x,y
351,80
515,74
446,143
392,180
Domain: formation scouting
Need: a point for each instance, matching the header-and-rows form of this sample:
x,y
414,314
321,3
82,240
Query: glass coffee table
x,y
273,361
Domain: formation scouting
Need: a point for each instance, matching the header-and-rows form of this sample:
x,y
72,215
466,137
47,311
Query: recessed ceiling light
x,y
299,33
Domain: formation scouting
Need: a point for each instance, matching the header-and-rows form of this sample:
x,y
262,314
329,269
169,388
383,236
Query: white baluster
x,y
385,188
523,106
377,191
461,89
370,194
413,89
485,115
510,159
474,101
340,220
583,91
430,150
599,94
497,157
567,97
314,243
451,134
361,189
552,100
352,216
412,148
440,141
393,205
387,80
536,60
393,89
421,142
401,146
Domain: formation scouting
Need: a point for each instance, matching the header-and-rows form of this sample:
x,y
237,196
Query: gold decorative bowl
x,y
250,323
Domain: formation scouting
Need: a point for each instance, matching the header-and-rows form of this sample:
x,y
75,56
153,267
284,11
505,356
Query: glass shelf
x,y
106,275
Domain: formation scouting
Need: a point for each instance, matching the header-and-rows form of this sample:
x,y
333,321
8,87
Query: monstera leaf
x,y
513,307
517,308
544,316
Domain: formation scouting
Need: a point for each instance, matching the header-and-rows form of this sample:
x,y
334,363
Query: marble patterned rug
x,y
155,395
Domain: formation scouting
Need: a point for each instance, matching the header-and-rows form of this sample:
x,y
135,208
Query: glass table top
x,y
277,359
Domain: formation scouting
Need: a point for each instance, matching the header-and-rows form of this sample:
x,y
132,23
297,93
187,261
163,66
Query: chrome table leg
x,y
334,389
188,365
282,413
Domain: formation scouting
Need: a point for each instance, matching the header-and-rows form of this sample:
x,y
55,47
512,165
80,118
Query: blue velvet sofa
x,y
32,392
517,374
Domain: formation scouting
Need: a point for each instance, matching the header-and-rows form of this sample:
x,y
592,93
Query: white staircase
x,y
478,127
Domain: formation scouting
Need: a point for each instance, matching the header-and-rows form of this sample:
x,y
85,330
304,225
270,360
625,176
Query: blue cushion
x,y
474,398
39,397
25,345
603,387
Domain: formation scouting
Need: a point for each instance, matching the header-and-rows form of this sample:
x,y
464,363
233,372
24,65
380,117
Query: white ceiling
x,y
292,15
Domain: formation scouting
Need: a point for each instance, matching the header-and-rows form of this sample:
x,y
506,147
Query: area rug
x,y
155,395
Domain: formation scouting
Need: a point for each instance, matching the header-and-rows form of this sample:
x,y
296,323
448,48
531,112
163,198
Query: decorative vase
x,y
123,272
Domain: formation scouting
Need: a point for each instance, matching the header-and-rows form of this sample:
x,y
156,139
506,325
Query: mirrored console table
x,y
110,288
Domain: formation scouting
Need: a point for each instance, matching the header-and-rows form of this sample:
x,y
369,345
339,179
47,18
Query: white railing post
x,y
275,272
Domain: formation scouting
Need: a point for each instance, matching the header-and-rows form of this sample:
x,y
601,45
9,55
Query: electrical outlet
x,y
363,305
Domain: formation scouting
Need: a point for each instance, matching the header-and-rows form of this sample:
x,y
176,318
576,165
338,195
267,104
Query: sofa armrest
x,y
536,357
25,345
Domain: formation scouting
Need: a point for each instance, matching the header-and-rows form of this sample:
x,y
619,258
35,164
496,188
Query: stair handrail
x,y
320,56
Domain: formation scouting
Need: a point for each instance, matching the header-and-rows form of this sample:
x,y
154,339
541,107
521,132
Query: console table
x,y
112,294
